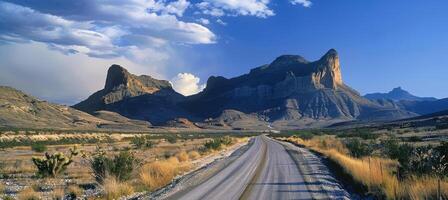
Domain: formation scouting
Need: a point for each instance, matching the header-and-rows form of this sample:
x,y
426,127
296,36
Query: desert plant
x,y
140,142
357,148
54,164
38,147
171,139
73,192
114,189
28,194
120,166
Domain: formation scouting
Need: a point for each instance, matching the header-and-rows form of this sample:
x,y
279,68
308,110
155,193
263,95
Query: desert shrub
x,y
114,189
120,166
194,155
159,173
218,143
182,156
57,194
357,148
38,147
54,164
305,135
73,192
171,139
394,150
28,194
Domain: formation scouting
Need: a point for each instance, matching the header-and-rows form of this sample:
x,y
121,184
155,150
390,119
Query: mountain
x,y
288,93
398,94
291,91
137,97
424,107
21,110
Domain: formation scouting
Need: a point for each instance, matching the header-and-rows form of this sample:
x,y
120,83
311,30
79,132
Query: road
x,y
266,170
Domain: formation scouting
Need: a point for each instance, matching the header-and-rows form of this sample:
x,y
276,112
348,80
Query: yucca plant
x,y
52,165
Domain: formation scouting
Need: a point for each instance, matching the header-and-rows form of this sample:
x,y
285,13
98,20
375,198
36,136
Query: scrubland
x,y
100,165
384,164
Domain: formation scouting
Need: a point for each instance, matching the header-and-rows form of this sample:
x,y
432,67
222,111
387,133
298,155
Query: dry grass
x,y
194,155
28,194
182,156
375,173
114,189
159,173
74,190
58,194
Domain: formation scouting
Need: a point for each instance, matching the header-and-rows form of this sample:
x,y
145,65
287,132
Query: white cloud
x,y
105,29
187,84
304,3
219,21
53,76
218,8
203,21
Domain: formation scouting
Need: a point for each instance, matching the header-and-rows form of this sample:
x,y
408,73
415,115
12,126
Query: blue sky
x,y
61,51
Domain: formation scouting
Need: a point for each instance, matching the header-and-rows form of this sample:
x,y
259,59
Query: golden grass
x,y
58,194
374,172
114,189
182,156
194,155
28,194
74,190
159,173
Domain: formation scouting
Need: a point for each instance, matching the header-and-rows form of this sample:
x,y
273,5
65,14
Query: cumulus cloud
x,y
304,3
218,8
105,29
187,84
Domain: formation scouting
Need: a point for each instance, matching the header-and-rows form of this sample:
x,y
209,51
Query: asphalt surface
x,y
264,171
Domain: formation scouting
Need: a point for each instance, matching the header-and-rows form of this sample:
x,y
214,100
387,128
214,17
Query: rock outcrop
x,y
137,97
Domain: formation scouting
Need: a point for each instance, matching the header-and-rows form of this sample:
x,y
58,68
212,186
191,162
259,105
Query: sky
x,y
60,50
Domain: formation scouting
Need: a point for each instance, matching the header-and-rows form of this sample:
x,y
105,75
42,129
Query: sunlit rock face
x,y
290,88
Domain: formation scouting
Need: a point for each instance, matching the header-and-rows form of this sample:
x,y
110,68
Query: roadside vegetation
x,y
71,165
385,164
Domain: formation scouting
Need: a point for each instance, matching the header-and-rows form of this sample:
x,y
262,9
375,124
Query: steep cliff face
x,y
290,89
137,97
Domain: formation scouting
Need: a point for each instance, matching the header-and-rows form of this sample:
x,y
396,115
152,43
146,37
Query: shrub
x,y
217,143
171,139
39,147
28,194
73,192
54,164
120,166
400,152
114,189
357,148
194,155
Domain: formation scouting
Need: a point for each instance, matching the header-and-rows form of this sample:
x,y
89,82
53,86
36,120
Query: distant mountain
x,y
137,97
21,110
291,92
424,107
398,94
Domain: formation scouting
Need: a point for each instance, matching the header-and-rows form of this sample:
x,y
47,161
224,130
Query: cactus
x,y
54,164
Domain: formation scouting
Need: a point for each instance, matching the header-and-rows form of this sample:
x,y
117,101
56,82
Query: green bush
x,y
39,147
217,143
171,139
142,142
357,148
120,166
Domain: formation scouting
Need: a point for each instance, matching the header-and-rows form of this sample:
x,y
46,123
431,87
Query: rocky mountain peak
x,y
331,68
116,76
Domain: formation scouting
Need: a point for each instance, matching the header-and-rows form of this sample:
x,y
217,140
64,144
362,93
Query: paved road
x,y
264,171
